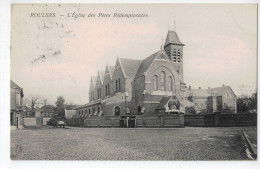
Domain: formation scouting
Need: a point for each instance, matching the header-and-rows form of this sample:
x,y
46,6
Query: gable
x,y
100,78
129,67
92,83
145,64
109,72
221,90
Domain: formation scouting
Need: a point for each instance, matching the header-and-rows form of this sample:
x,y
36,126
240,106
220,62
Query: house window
x,y
155,82
89,111
98,109
17,98
99,93
170,83
162,81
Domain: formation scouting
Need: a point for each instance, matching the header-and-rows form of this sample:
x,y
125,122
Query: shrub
x,y
190,110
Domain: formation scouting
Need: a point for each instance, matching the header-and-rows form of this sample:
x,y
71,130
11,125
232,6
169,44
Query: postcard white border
x,y
5,161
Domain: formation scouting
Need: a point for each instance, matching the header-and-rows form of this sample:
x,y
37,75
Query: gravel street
x,y
190,143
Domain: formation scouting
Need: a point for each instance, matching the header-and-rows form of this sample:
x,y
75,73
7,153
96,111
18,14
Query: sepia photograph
x,y
133,82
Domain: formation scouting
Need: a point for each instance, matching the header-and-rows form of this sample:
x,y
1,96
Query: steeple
x,y
172,38
174,50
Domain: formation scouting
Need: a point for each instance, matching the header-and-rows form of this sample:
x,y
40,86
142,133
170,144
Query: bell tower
x,y
174,50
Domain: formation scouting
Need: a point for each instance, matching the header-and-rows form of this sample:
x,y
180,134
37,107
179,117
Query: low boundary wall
x,y
113,121
218,119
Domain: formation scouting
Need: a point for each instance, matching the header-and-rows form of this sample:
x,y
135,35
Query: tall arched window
x,y
155,82
116,87
170,83
162,81
108,89
119,85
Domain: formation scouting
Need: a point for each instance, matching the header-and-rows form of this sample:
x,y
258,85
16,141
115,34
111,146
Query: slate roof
x,y
130,66
172,38
220,90
197,92
111,70
145,64
102,75
152,98
187,103
163,101
94,79
217,91
15,86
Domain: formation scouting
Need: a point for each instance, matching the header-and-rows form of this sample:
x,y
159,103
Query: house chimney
x,y
189,87
223,85
199,87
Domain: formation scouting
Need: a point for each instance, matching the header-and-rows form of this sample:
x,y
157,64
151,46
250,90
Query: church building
x,y
151,86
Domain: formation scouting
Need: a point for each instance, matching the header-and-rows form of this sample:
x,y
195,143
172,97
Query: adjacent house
x,y
16,102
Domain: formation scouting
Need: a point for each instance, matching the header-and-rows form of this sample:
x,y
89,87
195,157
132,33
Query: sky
x,y
56,56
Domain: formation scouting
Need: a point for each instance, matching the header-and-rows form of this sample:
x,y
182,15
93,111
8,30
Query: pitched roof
x,y
101,75
220,90
165,100
14,85
145,64
94,79
129,66
172,38
111,70
187,103
152,98
197,92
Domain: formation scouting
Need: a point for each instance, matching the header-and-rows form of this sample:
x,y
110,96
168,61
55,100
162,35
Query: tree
x,y
60,106
70,106
31,104
247,103
190,110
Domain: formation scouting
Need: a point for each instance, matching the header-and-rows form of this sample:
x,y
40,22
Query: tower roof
x,y
172,38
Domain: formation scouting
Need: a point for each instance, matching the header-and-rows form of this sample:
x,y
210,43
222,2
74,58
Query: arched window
x,y
119,85
116,87
174,52
117,110
139,109
170,83
108,90
162,81
155,82
179,52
